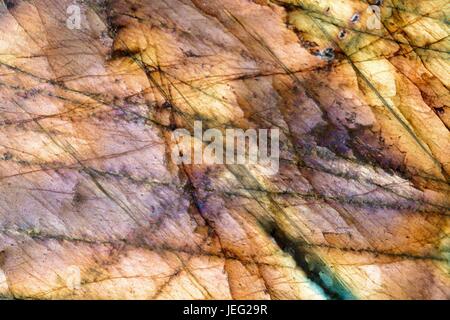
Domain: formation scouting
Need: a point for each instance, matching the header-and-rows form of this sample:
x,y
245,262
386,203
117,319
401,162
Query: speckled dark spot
x,y
10,4
440,110
342,34
355,18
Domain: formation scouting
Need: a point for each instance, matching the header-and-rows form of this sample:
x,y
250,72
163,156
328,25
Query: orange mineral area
x,y
93,205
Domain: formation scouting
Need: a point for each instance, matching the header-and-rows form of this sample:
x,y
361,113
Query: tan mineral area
x,y
93,204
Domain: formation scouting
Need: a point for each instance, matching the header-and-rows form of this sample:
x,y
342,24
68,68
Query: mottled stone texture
x,y
359,209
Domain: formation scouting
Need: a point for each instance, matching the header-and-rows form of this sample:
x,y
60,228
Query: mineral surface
x,y
93,205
